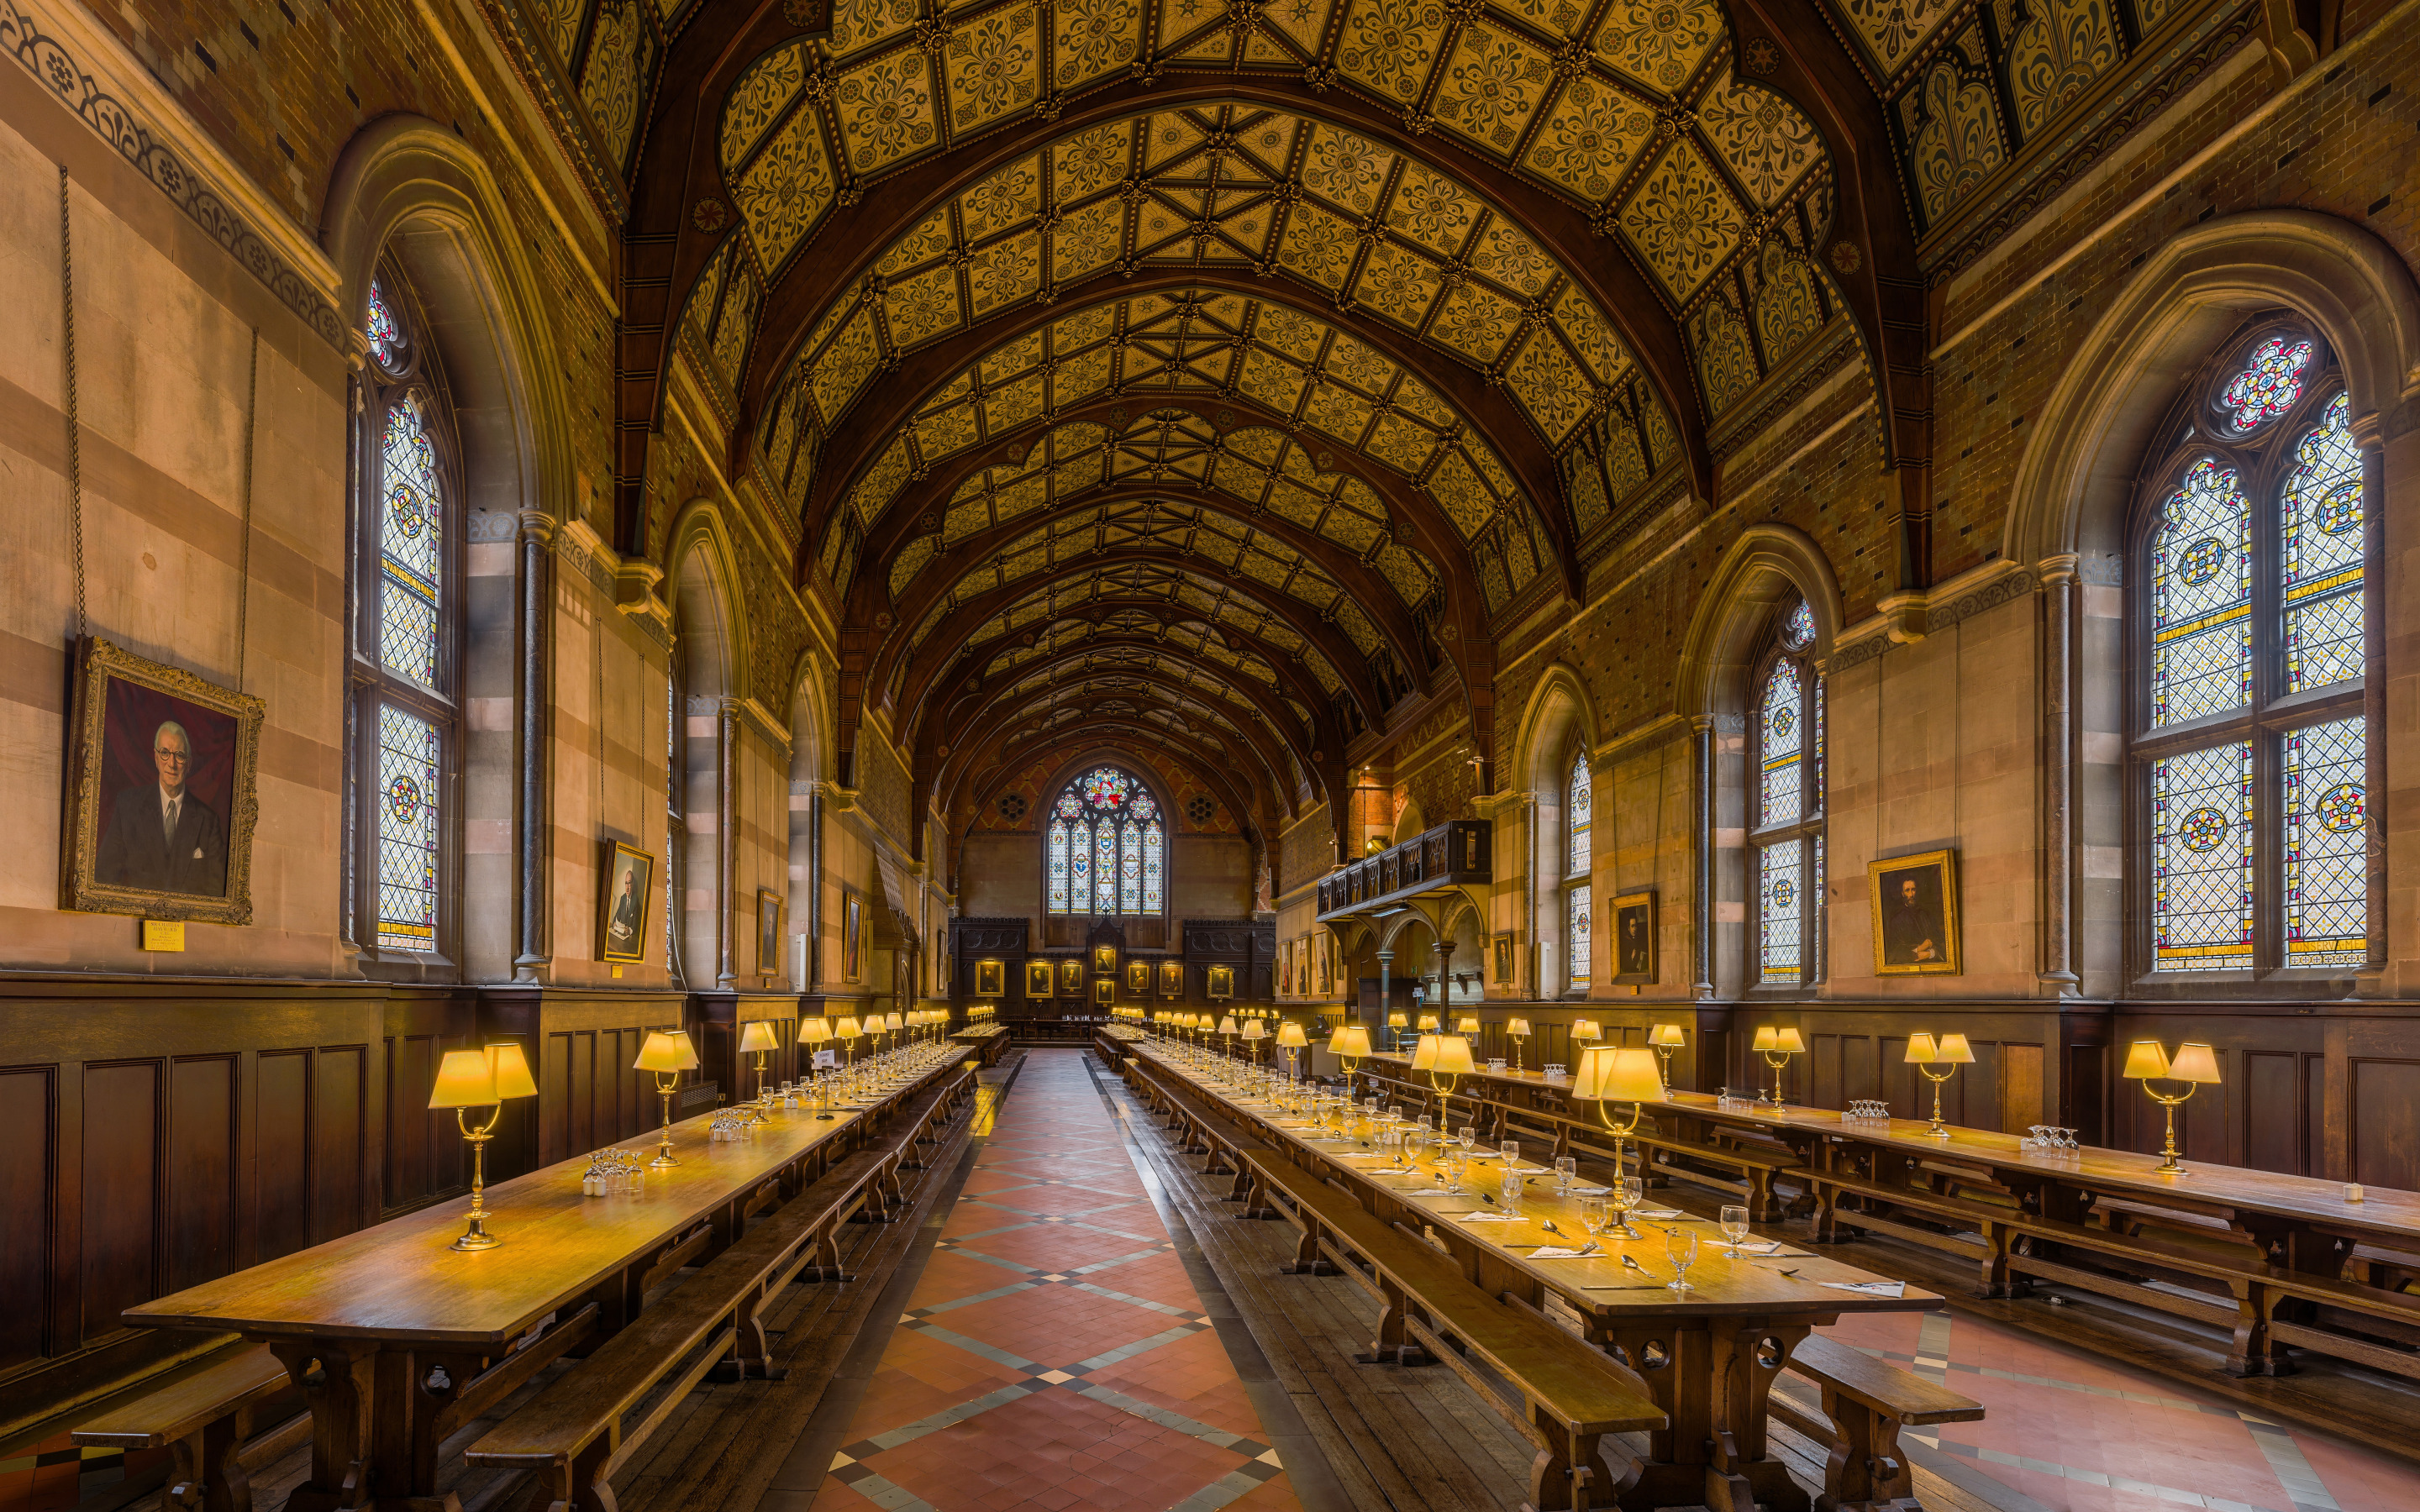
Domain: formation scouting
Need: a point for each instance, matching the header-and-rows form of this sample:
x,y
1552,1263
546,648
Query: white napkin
x,y
1871,1288
1489,1218
1354,1155
1556,1252
1533,1170
1771,1246
1658,1213
1433,1192
1590,1191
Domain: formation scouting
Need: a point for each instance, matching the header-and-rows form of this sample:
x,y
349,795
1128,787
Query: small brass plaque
x,y
163,934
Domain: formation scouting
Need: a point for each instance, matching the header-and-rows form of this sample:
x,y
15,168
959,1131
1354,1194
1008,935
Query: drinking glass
x,y
1734,1228
1567,1171
1595,1214
1511,1150
1508,1191
1680,1244
1449,1171
1467,1139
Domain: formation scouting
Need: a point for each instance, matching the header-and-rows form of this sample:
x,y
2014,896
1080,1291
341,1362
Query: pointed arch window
x,y
403,719
1106,846
2251,757
1578,921
1786,799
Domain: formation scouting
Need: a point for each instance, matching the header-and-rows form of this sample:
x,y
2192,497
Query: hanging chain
x,y
243,549
75,439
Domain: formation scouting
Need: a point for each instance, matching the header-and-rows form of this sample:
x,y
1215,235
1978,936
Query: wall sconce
x,y
1776,1046
668,1053
474,1079
2195,1065
1923,1053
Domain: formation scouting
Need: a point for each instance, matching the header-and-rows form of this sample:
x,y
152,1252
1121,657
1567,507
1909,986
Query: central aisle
x,y
1054,1354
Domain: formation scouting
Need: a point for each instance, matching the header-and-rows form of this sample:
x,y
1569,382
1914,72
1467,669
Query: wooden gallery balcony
x,y
1460,853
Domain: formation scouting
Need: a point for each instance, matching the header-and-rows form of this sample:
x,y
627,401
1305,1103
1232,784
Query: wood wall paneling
x,y
2272,1112
2384,1132
120,1191
282,1151
202,1195
28,1107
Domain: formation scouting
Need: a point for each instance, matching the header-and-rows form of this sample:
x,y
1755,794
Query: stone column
x,y
2057,596
1385,993
726,845
536,703
1702,730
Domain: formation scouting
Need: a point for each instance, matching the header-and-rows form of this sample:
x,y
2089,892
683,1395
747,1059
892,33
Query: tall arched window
x,y
1786,840
404,719
1107,847
1578,796
2251,755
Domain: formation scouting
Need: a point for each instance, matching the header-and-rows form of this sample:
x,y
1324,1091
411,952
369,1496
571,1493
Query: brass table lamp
x,y
469,1079
1446,1057
1396,1023
1428,1023
1228,1029
847,1032
757,1037
1585,1030
1254,1032
667,1053
1290,1038
1611,1073
1776,1046
1949,1053
1517,1030
1349,1043
1666,1038
1466,1025
2197,1065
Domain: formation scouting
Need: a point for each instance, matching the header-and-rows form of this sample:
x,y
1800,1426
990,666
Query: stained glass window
x,y
2201,859
1781,914
1581,791
2320,546
1108,827
2270,383
1577,931
410,530
2327,845
385,336
411,761
1798,628
2201,598
1781,725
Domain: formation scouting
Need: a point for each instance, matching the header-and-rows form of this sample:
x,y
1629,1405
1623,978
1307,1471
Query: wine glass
x,y
1681,1247
1734,1228
1595,1214
1632,1191
1508,1191
1567,1171
1511,1150
1467,1139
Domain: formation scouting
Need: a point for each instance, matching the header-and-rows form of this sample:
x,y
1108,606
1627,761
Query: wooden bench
x,y
1867,1402
1197,1124
220,1423
577,1431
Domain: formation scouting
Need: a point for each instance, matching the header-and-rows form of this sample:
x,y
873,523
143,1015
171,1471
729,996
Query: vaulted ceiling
x,y
1229,371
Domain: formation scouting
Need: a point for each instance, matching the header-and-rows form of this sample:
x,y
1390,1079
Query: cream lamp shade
x,y
1766,1039
1789,1043
893,1022
1425,1053
1396,1021
1227,1024
1921,1051
1351,1039
1612,1074
1667,1034
465,1079
2194,1063
1586,1029
816,1031
758,1035
513,1077
1465,1025
2145,1061
1452,1057
847,1029
1428,1023
1290,1035
1517,1028
666,1051
1955,1050
1252,1030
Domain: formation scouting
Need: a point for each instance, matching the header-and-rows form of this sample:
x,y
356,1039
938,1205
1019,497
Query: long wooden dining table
x,y
397,1338
1709,1356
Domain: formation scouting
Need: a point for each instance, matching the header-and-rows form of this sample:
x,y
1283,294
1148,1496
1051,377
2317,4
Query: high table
x,y
414,1338
1708,1356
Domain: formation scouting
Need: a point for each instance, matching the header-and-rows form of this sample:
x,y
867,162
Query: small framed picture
x,y
1138,977
1105,992
1171,979
1105,960
621,909
1037,978
1634,937
768,933
1222,981
1501,955
1071,977
991,979
852,935
1914,903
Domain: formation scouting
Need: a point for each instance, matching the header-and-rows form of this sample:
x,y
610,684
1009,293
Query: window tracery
x,y
1787,799
1106,846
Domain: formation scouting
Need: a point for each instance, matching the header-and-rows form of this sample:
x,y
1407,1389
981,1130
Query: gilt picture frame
x,y
1105,960
1138,976
139,729
1105,992
1171,979
768,933
1634,938
1221,983
852,935
1071,977
1037,978
1915,905
991,978
625,903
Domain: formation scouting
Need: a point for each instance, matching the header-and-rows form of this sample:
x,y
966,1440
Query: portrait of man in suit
x,y
629,873
161,836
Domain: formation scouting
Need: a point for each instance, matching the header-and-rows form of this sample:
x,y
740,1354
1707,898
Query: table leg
x,y
339,1396
1712,1378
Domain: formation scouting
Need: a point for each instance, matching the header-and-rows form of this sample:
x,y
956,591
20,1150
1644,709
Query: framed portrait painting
x,y
991,979
1138,977
621,903
1105,960
1037,978
1634,938
1915,900
1105,992
1500,950
768,933
1171,979
1071,977
1222,982
852,935
162,799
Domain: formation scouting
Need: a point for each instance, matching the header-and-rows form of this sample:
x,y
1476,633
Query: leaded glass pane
x,y
1079,867
2327,845
1058,866
411,530
1130,868
1116,846
1780,914
1105,867
385,336
1575,812
1153,863
2201,598
2319,533
1578,929
2201,859
1799,628
1106,787
1781,738
411,757
2270,383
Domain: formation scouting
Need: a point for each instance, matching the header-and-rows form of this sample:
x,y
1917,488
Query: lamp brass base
x,y
477,1237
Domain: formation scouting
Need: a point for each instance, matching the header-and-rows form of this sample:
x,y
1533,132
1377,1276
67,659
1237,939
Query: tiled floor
x,y
1054,1356
2068,1431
